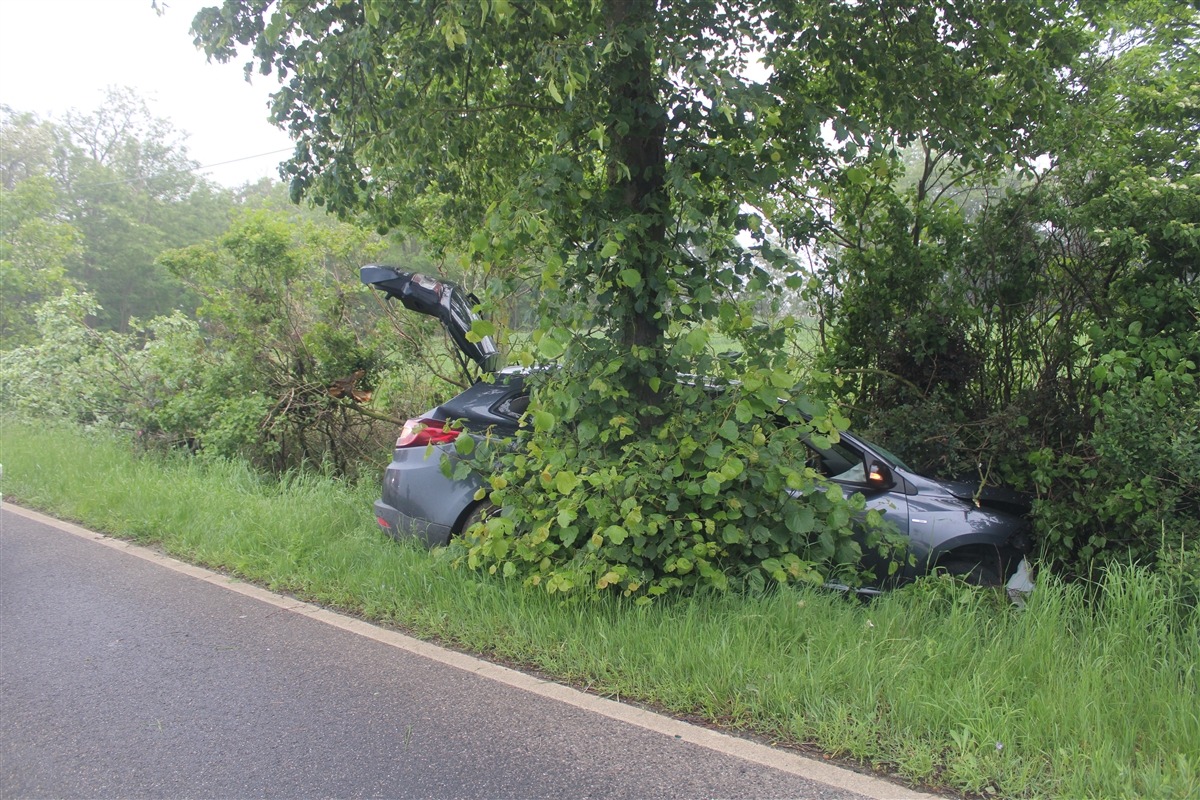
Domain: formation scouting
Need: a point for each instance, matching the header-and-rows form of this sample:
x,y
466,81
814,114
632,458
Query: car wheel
x,y
478,514
973,568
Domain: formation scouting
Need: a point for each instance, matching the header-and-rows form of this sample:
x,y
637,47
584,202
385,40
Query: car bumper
x,y
400,526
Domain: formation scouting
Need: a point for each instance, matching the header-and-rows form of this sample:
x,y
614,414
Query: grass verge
x,y
946,686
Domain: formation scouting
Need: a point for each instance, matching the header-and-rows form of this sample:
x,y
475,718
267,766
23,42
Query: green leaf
x,y
839,518
733,468
550,348
565,482
630,277
799,518
615,534
481,329
371,13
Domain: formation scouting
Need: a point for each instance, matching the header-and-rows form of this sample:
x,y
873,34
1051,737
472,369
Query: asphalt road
x,y
127,677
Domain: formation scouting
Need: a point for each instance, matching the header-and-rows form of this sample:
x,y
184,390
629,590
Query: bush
x,y
715,494
1129,488
277,369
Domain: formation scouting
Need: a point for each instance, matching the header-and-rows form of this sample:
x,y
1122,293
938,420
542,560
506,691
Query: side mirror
x,y
879,476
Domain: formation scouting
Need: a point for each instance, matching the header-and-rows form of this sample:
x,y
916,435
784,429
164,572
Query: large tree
x,y
628,150
626,137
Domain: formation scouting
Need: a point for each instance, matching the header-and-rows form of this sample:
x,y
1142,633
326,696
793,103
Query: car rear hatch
x,y
437,298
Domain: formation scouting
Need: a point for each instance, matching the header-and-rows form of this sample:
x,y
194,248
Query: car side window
x,y
839,462
514,406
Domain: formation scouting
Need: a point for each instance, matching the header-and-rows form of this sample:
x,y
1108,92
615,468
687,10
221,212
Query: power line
x,y
245,158
190,169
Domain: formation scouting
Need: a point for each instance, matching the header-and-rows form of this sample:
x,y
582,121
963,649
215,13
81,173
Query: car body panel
x,y
489,405
420,500
893,507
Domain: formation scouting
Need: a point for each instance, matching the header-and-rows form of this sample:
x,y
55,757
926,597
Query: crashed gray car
x,y
981,535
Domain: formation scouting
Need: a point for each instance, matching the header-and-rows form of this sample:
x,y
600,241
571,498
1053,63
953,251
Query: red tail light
x,y
422,432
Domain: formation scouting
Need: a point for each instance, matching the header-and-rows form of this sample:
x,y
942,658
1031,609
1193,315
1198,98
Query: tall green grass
x,y
1082,694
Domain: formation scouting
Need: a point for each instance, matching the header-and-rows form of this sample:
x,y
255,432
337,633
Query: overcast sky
x,y
58,55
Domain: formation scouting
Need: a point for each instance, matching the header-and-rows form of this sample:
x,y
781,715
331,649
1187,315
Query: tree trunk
x,y
637,185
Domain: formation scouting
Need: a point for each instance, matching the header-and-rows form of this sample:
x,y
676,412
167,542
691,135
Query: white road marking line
x,y
791,763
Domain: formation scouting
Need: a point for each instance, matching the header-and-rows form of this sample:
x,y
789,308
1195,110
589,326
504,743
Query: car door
x,y
858,471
